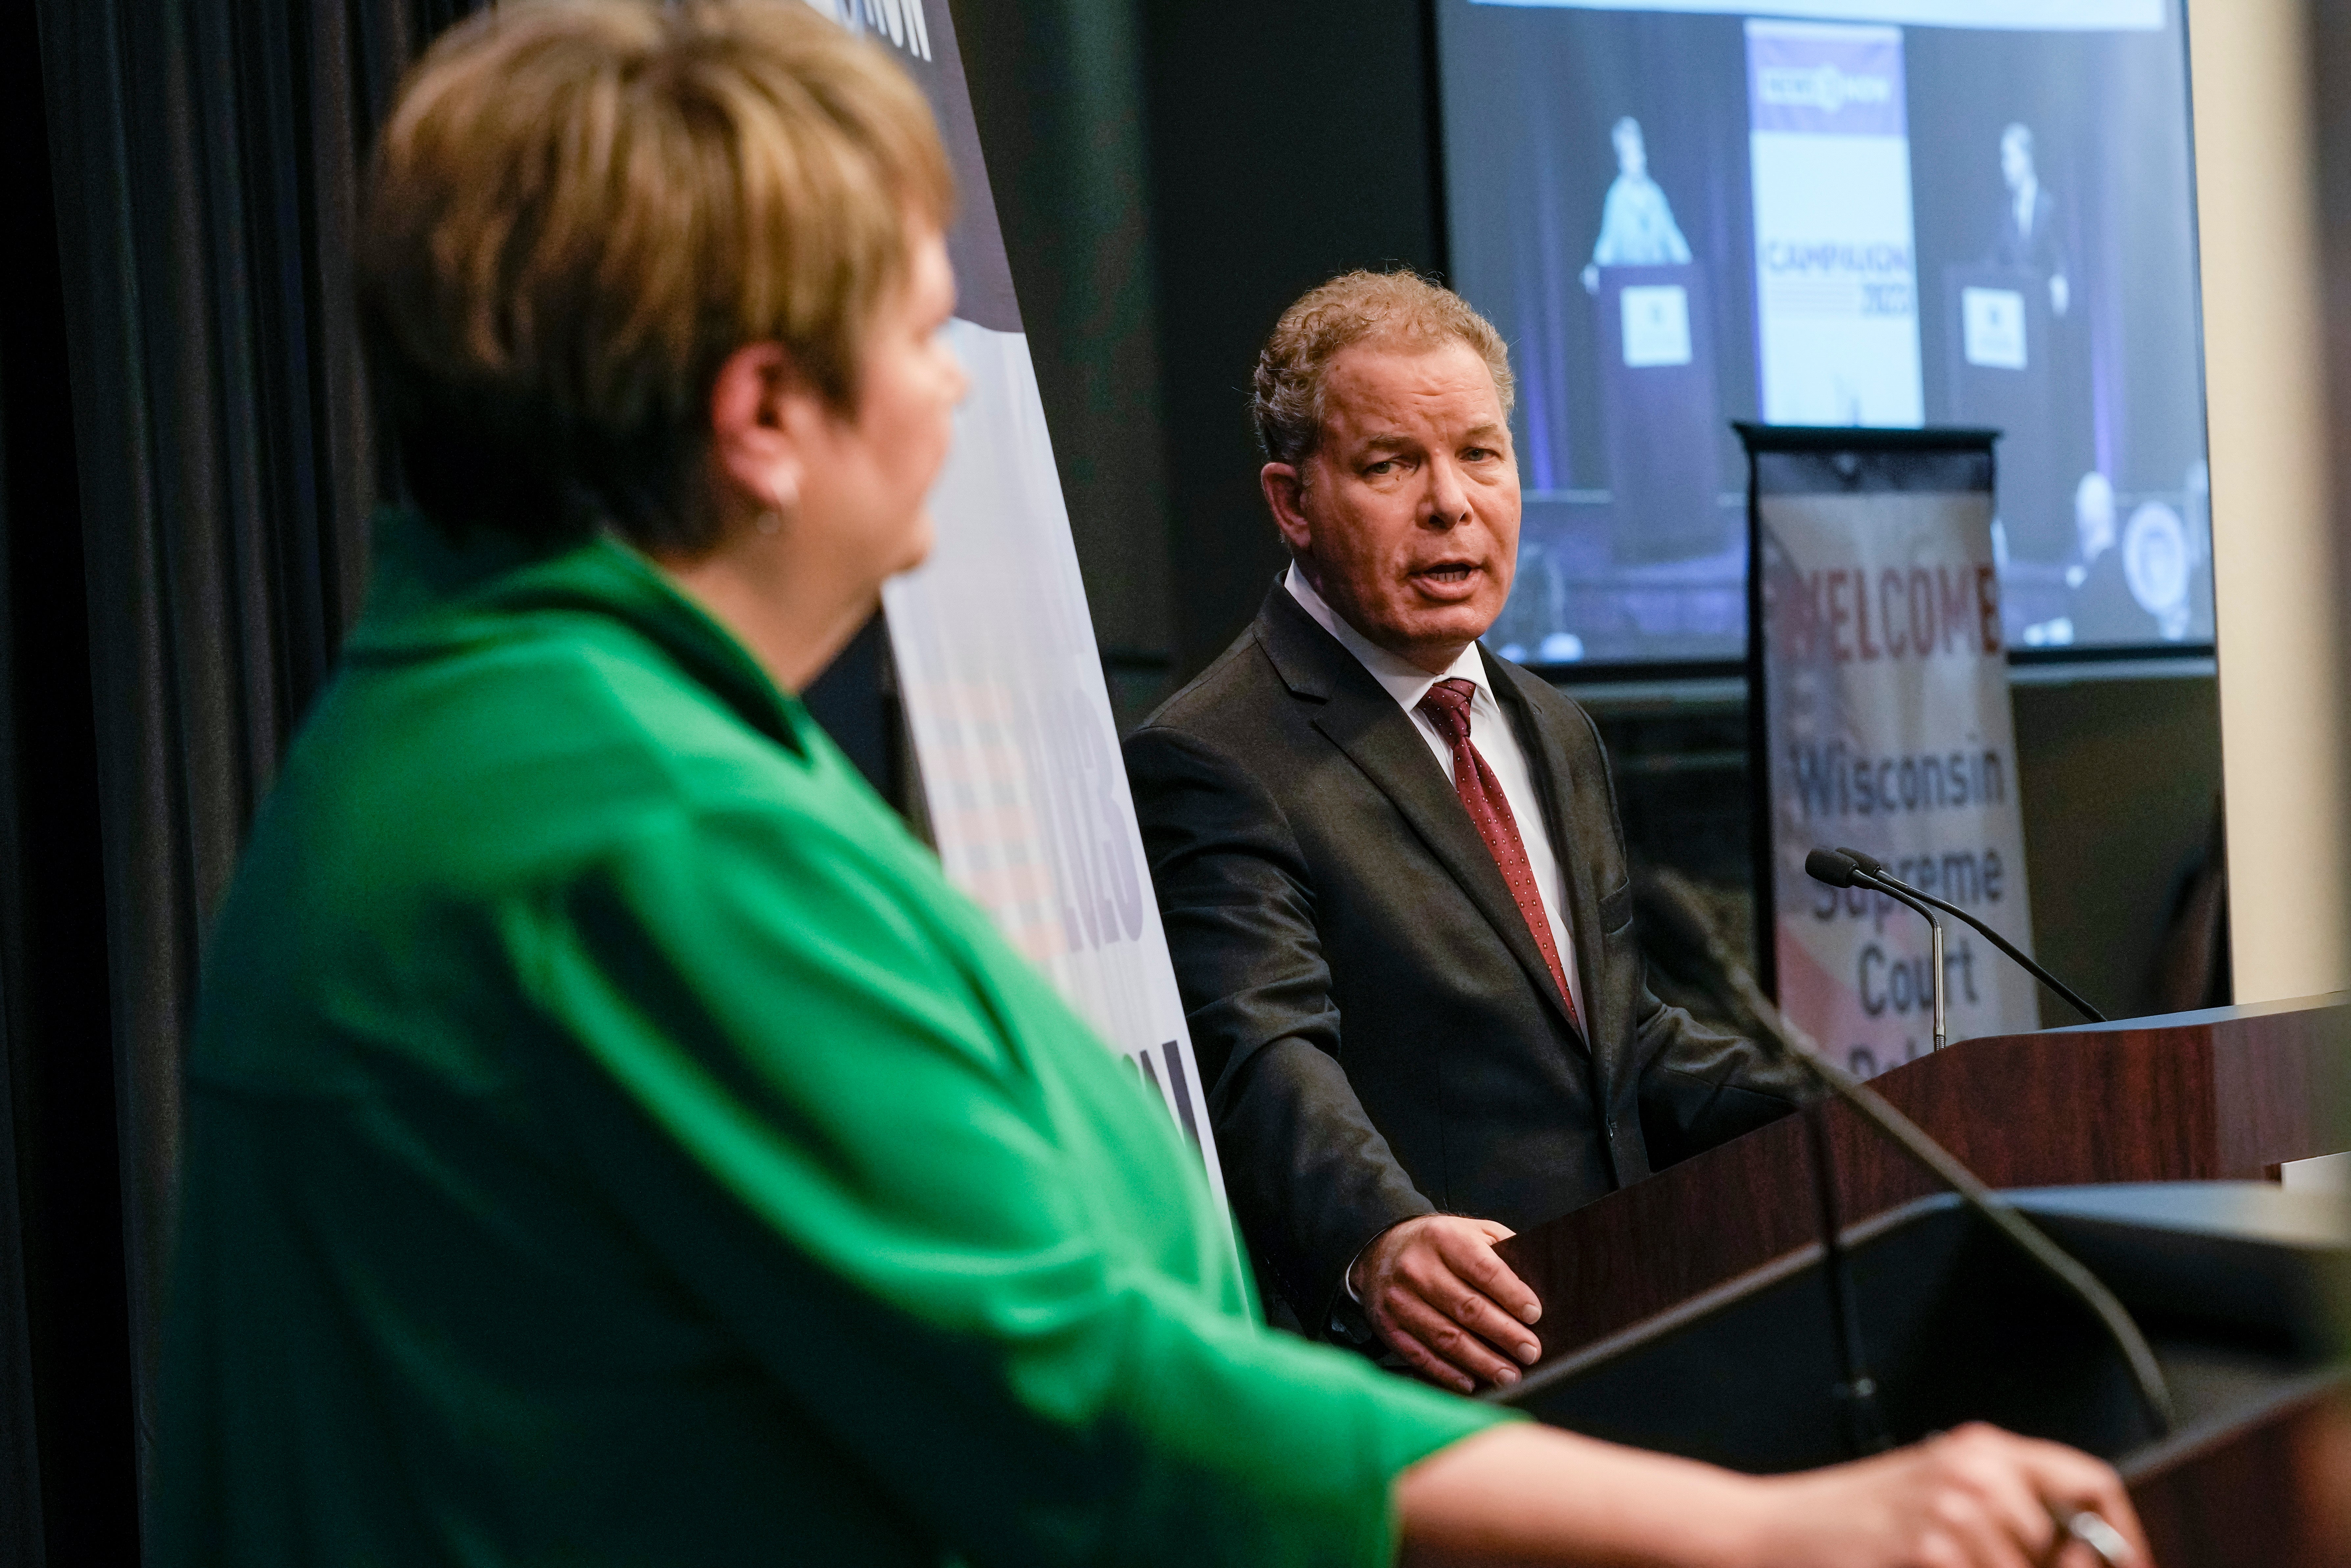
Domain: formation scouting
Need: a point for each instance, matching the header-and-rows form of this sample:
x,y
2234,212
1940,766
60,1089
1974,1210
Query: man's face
x,y
1405,518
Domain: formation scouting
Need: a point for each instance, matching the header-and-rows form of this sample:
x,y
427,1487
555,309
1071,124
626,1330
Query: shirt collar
x,y
431,595
1405,681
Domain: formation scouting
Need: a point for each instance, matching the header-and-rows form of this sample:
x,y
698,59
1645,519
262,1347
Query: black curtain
x,y
189,463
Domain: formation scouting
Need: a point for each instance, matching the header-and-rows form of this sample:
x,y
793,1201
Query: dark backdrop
x,y
1288,142
188,466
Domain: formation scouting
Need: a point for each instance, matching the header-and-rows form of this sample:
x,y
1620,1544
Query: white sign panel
x,y
996,657
1835,272
1992,328
1003,689
1888,727
1657,325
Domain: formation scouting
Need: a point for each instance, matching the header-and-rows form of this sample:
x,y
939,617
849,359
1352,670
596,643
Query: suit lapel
x,y
1567,801
1359,717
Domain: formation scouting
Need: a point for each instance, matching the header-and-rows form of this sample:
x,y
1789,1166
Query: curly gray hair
x,y
1286,401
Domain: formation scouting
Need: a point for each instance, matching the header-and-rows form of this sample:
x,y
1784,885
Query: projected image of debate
x,y
1877,212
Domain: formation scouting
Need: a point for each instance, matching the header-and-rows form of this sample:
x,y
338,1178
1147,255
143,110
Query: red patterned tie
x,y
1447,706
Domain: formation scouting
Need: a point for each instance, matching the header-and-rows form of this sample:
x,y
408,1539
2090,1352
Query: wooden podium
x,y
1677,1309
2222,1095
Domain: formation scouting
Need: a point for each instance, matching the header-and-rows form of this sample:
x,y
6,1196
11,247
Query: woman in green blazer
x,y
610,1140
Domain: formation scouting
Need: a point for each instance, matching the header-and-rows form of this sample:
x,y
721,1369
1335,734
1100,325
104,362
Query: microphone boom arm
x,y
1875,872
1934,946
2020,1233
1788,1040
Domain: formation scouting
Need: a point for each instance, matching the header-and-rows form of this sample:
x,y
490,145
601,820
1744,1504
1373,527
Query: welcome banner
x,y
1885,725
995,656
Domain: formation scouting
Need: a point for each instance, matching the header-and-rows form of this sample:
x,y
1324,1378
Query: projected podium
x,y
2006,373
1689,1312
1653,336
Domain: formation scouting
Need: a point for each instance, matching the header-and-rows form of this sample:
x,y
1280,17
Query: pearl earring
x,y
772,519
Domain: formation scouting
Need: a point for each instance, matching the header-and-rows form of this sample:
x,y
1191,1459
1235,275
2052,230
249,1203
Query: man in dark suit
x,y
2027,238
1392,873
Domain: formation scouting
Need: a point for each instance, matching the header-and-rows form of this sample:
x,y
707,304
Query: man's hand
x,y
1434,1291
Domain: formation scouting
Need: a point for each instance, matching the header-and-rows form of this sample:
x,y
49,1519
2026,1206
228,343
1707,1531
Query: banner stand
x,y
995,656
1878,718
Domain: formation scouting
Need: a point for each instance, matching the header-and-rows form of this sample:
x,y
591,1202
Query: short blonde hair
x,y
1355,308
580,208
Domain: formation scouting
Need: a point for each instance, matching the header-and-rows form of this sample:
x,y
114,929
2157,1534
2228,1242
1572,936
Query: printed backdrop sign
x,y
1835,271
1886,727
996,655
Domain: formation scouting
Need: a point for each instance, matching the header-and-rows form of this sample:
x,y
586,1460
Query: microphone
x,y
1790,1043
1666,904
1874,869
1842,868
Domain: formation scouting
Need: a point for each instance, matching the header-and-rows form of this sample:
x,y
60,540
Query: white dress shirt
x,y
1490,732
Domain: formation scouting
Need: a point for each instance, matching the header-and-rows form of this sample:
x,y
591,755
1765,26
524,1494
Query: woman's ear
x,y
760,413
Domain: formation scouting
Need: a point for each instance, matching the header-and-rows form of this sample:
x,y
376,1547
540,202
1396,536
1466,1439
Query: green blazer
x,y
610,1141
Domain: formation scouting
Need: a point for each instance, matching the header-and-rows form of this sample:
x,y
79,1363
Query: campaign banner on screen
x,y
1836,289
1888,728
2007,16
996,657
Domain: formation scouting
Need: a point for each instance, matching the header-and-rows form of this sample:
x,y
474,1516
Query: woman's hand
x,y
1976,1498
